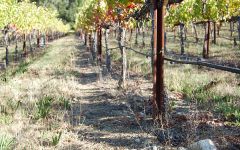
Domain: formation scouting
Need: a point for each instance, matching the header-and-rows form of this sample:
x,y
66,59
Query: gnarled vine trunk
x,y
16,49
196,33
214,33
89,42
206,40
121,43
130,36
85,39
6,47
231,28
99,43
181,38
136,35
99,48
24,45
108,54
174,34
143,38
38,39
30,42
95,46
185,33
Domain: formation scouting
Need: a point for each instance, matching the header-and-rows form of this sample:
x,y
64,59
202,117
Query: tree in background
x,y
66,8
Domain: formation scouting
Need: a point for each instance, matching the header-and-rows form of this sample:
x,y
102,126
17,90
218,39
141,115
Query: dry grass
x,y
21,93
190,80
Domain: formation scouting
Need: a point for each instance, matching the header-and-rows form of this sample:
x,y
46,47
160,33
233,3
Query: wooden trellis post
x,y
158,59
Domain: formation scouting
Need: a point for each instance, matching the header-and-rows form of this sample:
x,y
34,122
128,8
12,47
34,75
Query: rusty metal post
x,y
158,60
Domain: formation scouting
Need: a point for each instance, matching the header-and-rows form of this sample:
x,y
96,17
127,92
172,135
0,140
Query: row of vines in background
x,y
192,12
95,15
132,15
24,21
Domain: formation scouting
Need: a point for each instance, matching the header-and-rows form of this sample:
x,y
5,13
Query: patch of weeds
x,y
208,86
11,72
202,93
217,98
58,72
187,89
53,126
115,57
65,74
202,97
9,107
172,105
56,138
145,68
44,107
210,100
12,106
5,119
187,69
221,104
237,124
65,103
230,111
22,68
5,76
3,109
75,73
6,142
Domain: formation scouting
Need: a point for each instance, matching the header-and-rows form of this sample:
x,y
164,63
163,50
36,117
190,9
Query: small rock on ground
x,y
206,144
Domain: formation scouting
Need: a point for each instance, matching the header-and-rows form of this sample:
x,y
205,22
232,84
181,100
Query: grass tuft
x,y
6,142
65,103
44,107
56,139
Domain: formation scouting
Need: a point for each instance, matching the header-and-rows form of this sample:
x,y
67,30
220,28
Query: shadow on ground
x,y
111,116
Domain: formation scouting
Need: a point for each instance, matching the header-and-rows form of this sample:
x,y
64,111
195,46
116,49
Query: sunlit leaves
x,y
26,17
97,12
202,10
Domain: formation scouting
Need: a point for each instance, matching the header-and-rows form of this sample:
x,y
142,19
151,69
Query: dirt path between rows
x,y
102,119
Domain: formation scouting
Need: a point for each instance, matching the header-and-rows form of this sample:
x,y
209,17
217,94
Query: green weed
x,y
5,119
65,103
22,68
10,107
56,139
172,105
11,72
230,111
6,142
44,107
